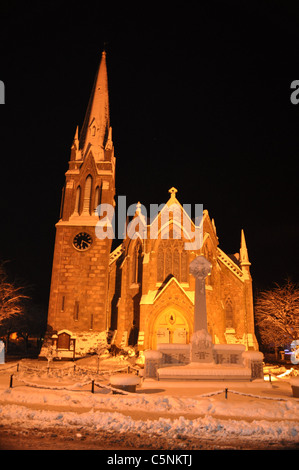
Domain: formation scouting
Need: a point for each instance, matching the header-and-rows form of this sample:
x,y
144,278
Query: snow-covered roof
x,y
227,261
116,253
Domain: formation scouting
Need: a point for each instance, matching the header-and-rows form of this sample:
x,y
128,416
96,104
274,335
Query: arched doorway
x,y
170,326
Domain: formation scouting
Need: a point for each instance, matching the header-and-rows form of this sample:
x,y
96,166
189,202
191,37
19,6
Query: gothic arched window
x,y
168,267
176,261
97,197
172,259
137,264
77,201
184,267
87,195
160,264
229,314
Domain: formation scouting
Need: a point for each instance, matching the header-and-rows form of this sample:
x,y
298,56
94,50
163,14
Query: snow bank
x,y
71,400
207,427
259,416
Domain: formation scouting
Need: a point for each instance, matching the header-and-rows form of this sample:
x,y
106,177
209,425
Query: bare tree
x,y
277,314
11,303
32,322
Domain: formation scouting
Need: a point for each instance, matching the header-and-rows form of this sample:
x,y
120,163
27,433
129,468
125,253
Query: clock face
x,y
82,241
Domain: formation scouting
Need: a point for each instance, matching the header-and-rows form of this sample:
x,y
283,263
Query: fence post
x,y
18,367
10,382
226,390
92,386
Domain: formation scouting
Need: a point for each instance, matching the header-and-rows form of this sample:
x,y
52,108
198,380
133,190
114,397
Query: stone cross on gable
x,y
173,192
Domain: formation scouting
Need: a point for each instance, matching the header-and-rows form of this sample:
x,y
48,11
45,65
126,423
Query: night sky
x,y
199,100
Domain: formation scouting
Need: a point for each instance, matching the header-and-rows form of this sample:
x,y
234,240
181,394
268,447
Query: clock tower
x,y
78,309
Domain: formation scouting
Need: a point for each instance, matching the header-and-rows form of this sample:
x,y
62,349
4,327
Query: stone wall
x,y
174,353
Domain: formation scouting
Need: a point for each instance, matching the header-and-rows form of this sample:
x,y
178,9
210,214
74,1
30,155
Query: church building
x,y
142,292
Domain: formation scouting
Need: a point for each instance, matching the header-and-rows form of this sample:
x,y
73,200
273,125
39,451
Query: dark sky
x,y
199,100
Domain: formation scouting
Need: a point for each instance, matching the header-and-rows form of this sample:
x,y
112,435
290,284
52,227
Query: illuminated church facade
x,y
142,292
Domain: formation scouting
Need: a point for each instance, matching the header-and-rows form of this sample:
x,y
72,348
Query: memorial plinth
x,y
207,361
201,347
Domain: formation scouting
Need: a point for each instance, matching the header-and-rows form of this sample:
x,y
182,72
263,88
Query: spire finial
x,y
244,260
173,192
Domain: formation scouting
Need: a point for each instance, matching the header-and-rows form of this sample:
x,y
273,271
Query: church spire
x,y
244,260
96,131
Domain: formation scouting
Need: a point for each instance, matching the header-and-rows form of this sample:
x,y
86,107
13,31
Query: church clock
x,y
82,241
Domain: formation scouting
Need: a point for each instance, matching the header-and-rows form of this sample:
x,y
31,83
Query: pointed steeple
x,y
244,260
96,132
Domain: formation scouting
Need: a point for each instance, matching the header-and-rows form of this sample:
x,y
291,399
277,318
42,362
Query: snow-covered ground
x,y
253,412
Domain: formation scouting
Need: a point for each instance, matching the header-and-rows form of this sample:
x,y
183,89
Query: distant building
x,y
142,291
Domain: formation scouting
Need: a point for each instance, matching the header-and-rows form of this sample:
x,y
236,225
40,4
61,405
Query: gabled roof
x,y
174,206
172,201
153,296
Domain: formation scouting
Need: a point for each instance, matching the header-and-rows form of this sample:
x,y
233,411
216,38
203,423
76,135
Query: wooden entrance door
x,y
172,321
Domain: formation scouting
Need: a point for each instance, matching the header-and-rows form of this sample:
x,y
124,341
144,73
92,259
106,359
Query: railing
x,y
91,381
